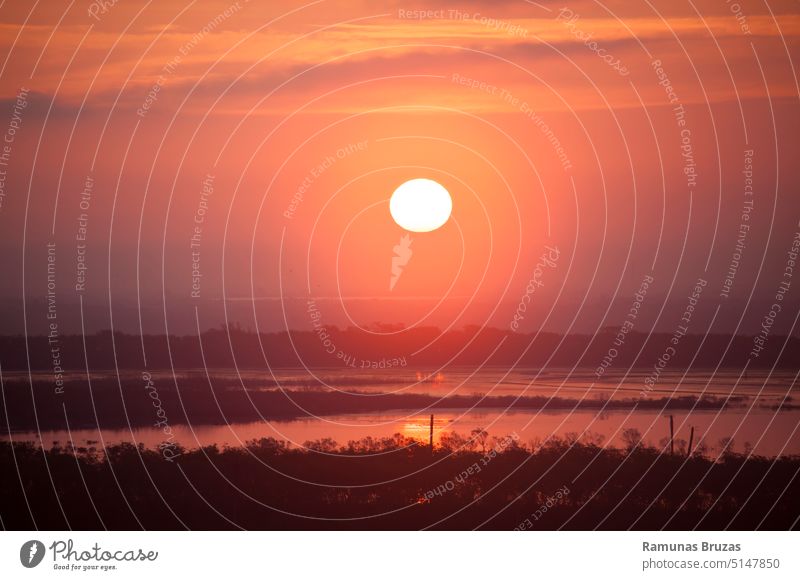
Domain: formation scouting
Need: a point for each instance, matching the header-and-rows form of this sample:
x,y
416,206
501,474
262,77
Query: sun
x,y
420,205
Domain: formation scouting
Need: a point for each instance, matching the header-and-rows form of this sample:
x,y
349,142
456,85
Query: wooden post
x,y
691,437
431,433
671,436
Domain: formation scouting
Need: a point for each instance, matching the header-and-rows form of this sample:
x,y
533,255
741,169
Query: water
x,y
755,424
577,383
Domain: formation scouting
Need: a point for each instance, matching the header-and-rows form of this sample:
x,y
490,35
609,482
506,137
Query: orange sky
x,y
543,136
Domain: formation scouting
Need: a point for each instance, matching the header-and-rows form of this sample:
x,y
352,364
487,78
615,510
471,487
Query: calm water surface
x,y
757,424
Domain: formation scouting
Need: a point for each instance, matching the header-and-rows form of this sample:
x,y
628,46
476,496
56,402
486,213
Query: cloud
x,y
240,57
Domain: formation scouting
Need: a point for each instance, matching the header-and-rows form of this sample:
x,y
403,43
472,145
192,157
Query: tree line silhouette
x,y
233,346
398,483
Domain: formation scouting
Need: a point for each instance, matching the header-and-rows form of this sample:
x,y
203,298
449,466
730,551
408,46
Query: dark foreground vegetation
x,y
396,483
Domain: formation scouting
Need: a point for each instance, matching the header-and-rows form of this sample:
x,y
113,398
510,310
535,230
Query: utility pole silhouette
x,y
671,437
431,434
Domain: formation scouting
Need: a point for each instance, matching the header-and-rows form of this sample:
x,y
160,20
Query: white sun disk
x,y
420,205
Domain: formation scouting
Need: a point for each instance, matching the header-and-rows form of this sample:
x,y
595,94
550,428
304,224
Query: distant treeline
x,y
396,483
413,348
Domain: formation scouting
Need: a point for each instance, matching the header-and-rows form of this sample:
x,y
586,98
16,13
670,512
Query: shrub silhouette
x,y
394,483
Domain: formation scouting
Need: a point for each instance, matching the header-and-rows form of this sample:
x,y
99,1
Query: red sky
x,y
477,95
